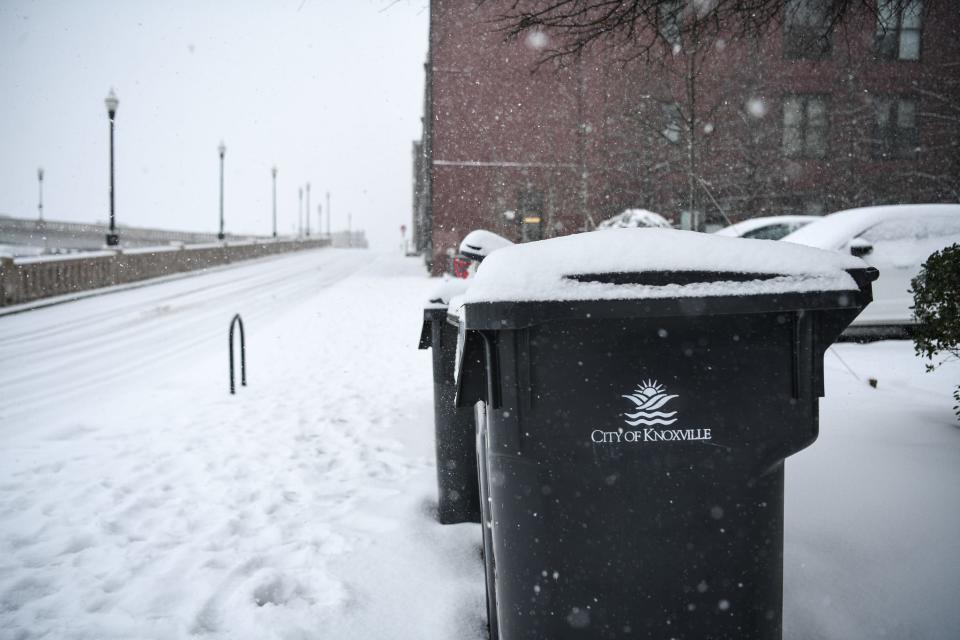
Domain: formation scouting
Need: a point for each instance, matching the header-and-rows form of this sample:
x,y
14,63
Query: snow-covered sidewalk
x,y
299,508
871,538
152,504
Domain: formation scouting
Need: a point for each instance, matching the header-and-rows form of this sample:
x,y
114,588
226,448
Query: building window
x,y
806,30
805,126
895,133
530,207
531,229
899,24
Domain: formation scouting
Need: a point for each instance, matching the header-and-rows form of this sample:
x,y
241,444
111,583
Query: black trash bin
x,y
457,491
634,422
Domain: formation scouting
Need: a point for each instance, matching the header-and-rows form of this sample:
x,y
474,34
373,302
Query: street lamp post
x,y
40,201
306,211
328,214
320,220
300,215
223,150
274,172
113,239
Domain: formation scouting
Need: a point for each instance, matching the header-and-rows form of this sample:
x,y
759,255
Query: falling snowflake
x,y
756,107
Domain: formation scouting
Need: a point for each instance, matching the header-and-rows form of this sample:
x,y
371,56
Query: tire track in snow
x,y
92,355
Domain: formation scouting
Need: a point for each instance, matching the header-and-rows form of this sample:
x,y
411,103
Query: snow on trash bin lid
x,y
480,243
624,264
445,290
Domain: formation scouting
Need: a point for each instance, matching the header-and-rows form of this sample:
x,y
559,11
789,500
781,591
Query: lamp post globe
x,y
111,102
222,148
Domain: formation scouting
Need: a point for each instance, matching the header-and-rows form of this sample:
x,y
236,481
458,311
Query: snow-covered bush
x,y
936,307
631,218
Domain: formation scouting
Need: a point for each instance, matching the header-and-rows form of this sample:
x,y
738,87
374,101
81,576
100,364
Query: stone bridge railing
x,y
26,279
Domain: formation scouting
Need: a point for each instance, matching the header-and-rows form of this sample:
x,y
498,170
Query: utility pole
x,y
319,220
306,212
328,214
274,171
300,215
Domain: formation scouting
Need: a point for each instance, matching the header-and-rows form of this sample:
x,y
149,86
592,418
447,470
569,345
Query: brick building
x,y
717,129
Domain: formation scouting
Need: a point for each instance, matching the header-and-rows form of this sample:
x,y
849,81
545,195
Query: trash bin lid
x,y
480,243
446,289
435,310
657,272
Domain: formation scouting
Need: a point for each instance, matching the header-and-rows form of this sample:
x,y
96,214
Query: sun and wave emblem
x,y
649,397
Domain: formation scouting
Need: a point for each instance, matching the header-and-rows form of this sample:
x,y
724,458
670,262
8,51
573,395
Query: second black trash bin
x,y
458,498
642,389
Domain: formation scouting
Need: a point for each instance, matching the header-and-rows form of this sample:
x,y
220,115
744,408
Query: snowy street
x,y
138,499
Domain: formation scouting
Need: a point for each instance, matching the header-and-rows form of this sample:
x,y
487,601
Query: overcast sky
x,y
330,91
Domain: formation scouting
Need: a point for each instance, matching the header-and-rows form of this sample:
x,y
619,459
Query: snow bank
x,y
544,270
57,257
155,249
13,251
634,218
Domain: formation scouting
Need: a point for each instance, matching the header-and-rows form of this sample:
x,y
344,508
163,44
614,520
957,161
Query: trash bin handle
x,y
863,277
493,372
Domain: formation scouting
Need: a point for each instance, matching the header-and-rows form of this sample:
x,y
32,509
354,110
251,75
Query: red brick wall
x,y
585,136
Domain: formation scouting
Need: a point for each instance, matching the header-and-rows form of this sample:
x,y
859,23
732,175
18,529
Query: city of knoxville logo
x,y
649,397
649,411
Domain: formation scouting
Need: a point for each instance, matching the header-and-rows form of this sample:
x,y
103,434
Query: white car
x,y
897,240
767,227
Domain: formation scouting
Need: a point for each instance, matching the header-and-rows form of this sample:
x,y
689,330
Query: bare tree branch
x,y
637,28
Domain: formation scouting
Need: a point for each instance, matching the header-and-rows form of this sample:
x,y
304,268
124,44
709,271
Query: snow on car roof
x,y
631,218
833,230
546,270
748,225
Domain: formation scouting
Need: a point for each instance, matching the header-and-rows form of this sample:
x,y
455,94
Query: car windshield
x,y
479,319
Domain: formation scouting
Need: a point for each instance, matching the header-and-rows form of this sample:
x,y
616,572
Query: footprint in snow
x,y
79,543
24,591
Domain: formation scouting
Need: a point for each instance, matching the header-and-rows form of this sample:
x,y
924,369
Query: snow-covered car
x,y
767,227
632,218
896,239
